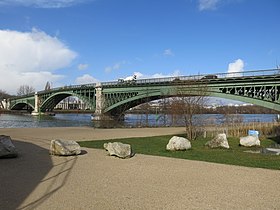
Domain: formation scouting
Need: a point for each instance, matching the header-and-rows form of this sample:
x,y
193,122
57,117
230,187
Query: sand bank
x,y
94,180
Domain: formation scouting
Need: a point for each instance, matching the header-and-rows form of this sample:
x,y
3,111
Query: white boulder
x,y
249,141
119,149
178,143
64,147
7,149
220,140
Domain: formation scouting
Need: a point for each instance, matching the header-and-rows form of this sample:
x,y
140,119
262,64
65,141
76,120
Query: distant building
x,y
71,103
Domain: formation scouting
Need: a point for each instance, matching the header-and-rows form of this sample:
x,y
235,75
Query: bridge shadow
x,y
31,178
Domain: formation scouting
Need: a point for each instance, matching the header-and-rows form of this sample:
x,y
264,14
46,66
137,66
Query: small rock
x,y
7,149
119,149
64,147
178,143
220,140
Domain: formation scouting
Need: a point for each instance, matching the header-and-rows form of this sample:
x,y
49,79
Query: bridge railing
x,y
253,73
68,87
23,96
245,74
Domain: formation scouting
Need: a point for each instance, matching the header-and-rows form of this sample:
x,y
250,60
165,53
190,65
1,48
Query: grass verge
x,y
233,156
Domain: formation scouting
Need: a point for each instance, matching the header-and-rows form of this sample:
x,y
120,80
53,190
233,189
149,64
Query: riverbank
x,y
93,180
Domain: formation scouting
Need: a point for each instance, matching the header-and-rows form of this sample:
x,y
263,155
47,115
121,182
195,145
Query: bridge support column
x,y
36,110
98,114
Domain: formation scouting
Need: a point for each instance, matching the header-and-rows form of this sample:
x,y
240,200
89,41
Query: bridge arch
x,y
130,102
145,97
21,105
52,100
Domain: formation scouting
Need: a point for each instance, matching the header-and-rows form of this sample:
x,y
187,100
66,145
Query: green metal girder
x,y
146,94
263,91
52,99
30,101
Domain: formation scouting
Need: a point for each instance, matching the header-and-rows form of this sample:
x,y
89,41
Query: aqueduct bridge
x,y
260,87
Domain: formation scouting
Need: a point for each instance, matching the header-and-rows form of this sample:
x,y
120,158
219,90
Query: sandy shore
x,y
36,180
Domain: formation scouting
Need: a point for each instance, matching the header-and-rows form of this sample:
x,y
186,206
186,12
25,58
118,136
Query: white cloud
x,y
11,80
82,66
207,4
115,66
42,3
168,52
30,58
176,73
236,68
86,79
157,75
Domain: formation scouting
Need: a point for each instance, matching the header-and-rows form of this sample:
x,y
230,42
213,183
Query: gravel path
x,y
93,180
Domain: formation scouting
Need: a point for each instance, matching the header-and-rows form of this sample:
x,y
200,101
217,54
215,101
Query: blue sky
x,y
82,41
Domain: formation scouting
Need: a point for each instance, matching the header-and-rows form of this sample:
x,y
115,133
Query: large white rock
x,y
220,140
119,149
249,141
64,147
178,143
7,149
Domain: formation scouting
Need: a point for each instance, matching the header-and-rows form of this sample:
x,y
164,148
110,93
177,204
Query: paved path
x,y
94,180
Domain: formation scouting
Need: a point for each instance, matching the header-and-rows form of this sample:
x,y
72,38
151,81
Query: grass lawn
x,y
233,156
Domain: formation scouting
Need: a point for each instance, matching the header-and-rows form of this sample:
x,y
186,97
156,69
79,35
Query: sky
x,y
71,42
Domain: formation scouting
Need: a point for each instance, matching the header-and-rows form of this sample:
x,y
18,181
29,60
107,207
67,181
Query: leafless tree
x,y
191,97
25,89
226,111
164,108
3,94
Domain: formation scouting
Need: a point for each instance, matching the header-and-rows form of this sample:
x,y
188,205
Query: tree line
x,y
168,108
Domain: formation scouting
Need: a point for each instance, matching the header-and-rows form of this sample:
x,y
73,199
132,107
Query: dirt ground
x,y
94,180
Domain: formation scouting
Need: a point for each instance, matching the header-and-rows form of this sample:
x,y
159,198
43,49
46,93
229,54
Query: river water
x,y
131,120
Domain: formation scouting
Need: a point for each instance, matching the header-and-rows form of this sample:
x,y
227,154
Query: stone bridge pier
x,y
100,105
100,101
36,110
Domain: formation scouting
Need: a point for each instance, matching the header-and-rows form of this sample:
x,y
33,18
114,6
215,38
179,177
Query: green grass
x,y
233,156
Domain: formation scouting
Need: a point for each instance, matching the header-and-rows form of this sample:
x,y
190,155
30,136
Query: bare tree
x,y
164,105
191,97
25,89
3,94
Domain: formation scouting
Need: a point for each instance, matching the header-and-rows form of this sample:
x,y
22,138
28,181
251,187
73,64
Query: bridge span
x,y
261,87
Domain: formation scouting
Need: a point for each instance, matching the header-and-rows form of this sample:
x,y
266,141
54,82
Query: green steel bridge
x,y
261,87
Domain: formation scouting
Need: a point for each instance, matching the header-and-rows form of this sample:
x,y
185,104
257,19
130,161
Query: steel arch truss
x,y
118,100
261,94
50,100
21,102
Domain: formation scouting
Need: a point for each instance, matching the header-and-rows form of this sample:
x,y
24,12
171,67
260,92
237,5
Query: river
x,y
131,120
